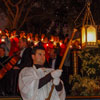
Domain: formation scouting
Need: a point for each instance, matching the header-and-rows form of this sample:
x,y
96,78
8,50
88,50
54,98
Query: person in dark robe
x,y
3,61
55,59
25,60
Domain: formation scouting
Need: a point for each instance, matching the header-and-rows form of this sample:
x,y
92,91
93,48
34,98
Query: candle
x,y
47,45
29,39
42,39
3,40
54,43
0,32
35,43
71,46
60,43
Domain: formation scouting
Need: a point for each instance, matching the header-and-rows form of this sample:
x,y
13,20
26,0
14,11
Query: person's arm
x,y
45,80
52,76
26,59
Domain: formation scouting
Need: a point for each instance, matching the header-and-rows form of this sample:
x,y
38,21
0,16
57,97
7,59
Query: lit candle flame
x,y
42,39
0,31
79,47
35,43
29,39
3,40
54,43
71,46
47,45
51,40
60,43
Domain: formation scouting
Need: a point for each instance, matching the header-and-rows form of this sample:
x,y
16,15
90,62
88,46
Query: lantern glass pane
x,y
91,34
83,35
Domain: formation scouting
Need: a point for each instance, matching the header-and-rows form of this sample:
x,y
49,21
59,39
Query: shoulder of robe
x,y
27,70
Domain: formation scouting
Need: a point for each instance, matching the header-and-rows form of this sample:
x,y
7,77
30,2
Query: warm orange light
x,y
71,46
47,45
89,36
79,47
2,40
51,40
35,43
60,43
42,39
83,35
0,32
54,43
29,39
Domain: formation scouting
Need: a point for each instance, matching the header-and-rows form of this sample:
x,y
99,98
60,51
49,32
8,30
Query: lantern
x,y
89,30
89,36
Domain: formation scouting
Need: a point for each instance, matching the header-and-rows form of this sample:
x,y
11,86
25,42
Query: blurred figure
x,y
55,59
3,82
36,40
6,32
25,60
14,42
6,44
25,54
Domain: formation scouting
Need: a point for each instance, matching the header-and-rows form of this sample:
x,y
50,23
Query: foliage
x,y
84,86
87,84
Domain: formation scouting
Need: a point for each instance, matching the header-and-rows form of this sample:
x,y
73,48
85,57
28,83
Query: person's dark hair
x,y
6,29
13,30
37,48
24,40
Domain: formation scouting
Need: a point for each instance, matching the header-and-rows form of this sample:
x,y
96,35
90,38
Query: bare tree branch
x,y
9,17
43,15
22,7
9,9
24,18
28,10
28,2
16,16
13,5
19,2
10,21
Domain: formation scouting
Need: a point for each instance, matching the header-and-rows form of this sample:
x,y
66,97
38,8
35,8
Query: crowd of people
x,y
11,39
22,44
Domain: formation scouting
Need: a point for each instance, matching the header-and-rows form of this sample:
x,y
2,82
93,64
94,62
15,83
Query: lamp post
x,y
89,29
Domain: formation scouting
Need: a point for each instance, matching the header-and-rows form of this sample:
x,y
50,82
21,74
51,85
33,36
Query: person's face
x,y
52,54
6,31
14,32
46,39
21,44
36,38
2,52
39,57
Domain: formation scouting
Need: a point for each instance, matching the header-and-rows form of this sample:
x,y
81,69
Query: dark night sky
x,y
63,11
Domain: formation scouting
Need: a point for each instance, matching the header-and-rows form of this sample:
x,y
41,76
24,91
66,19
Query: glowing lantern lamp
x,y
89,30
89,36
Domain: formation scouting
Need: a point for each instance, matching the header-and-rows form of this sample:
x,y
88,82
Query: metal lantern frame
x,y
87,44
88,22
